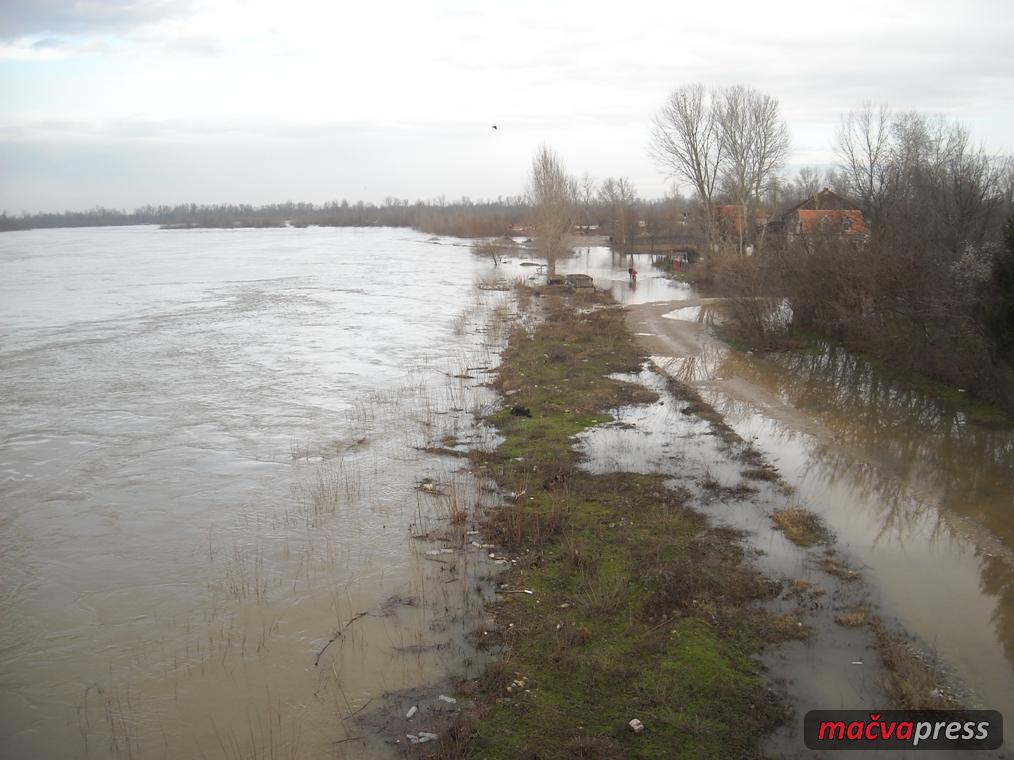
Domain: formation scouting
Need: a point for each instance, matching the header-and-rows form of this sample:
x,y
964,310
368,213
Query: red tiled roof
x,y
831,221
826,199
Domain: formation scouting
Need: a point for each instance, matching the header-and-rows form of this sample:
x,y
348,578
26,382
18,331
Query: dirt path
x,y
681,338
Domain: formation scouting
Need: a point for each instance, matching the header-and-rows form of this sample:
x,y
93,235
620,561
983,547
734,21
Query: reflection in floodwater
x,y
694,368
915,441
703,313
914,490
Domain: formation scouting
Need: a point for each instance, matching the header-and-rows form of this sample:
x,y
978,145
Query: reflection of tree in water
x,y
998,580
921,450
893,509
887,499
696,368
968,468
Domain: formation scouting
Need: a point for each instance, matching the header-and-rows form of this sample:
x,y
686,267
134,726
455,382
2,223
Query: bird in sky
x,y
495,127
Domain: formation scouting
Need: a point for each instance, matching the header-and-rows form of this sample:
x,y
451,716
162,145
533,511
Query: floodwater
x,y
609,271
211,464
920,498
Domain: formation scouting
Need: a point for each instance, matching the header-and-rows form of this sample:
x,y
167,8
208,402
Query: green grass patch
x,y
640,609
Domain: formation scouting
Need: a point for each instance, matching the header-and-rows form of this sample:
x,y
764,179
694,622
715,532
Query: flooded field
x,y
920,498
232,518
213,486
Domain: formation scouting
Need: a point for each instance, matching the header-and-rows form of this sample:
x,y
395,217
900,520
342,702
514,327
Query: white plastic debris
x,y
636,726
422,737
447,699
411,712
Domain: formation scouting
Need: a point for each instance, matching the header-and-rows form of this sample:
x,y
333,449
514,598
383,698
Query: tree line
x,y
462,217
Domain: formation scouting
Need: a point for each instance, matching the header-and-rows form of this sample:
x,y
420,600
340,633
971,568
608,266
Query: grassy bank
x,y
637,607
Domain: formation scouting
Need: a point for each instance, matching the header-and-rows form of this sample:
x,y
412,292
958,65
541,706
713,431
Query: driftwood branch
x,y
356,712
337,635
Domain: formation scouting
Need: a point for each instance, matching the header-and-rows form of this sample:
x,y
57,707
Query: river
x,y
209,463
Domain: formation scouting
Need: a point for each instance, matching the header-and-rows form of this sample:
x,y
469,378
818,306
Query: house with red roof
x,y
824,214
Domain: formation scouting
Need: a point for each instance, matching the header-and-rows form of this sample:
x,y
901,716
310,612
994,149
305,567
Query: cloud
x,y
183,44
33,18
401,78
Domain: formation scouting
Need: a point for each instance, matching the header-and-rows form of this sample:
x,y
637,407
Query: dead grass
x,y
604,597
854,618
837,567
914,680
801,526
799,587
790,626
768,474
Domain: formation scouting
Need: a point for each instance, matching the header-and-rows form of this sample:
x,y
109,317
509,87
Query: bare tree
x,y
685,140
863,145
755,142
587,194
946,187
920,176
807,182
552,193
619,196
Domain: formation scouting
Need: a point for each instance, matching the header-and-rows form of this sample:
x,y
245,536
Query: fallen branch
x,y
354,713
337,635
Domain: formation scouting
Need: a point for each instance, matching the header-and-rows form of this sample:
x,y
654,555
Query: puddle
x,y
835,666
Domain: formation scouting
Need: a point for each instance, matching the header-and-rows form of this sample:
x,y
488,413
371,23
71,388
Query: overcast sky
x,y
127,102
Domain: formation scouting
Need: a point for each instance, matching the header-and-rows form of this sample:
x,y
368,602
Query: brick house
x,y
823,214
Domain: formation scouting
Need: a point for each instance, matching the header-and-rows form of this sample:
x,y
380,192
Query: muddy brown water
x,y
210,464
920,498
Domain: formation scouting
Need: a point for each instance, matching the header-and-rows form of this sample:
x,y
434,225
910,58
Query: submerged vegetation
x,y
801,526
631,605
